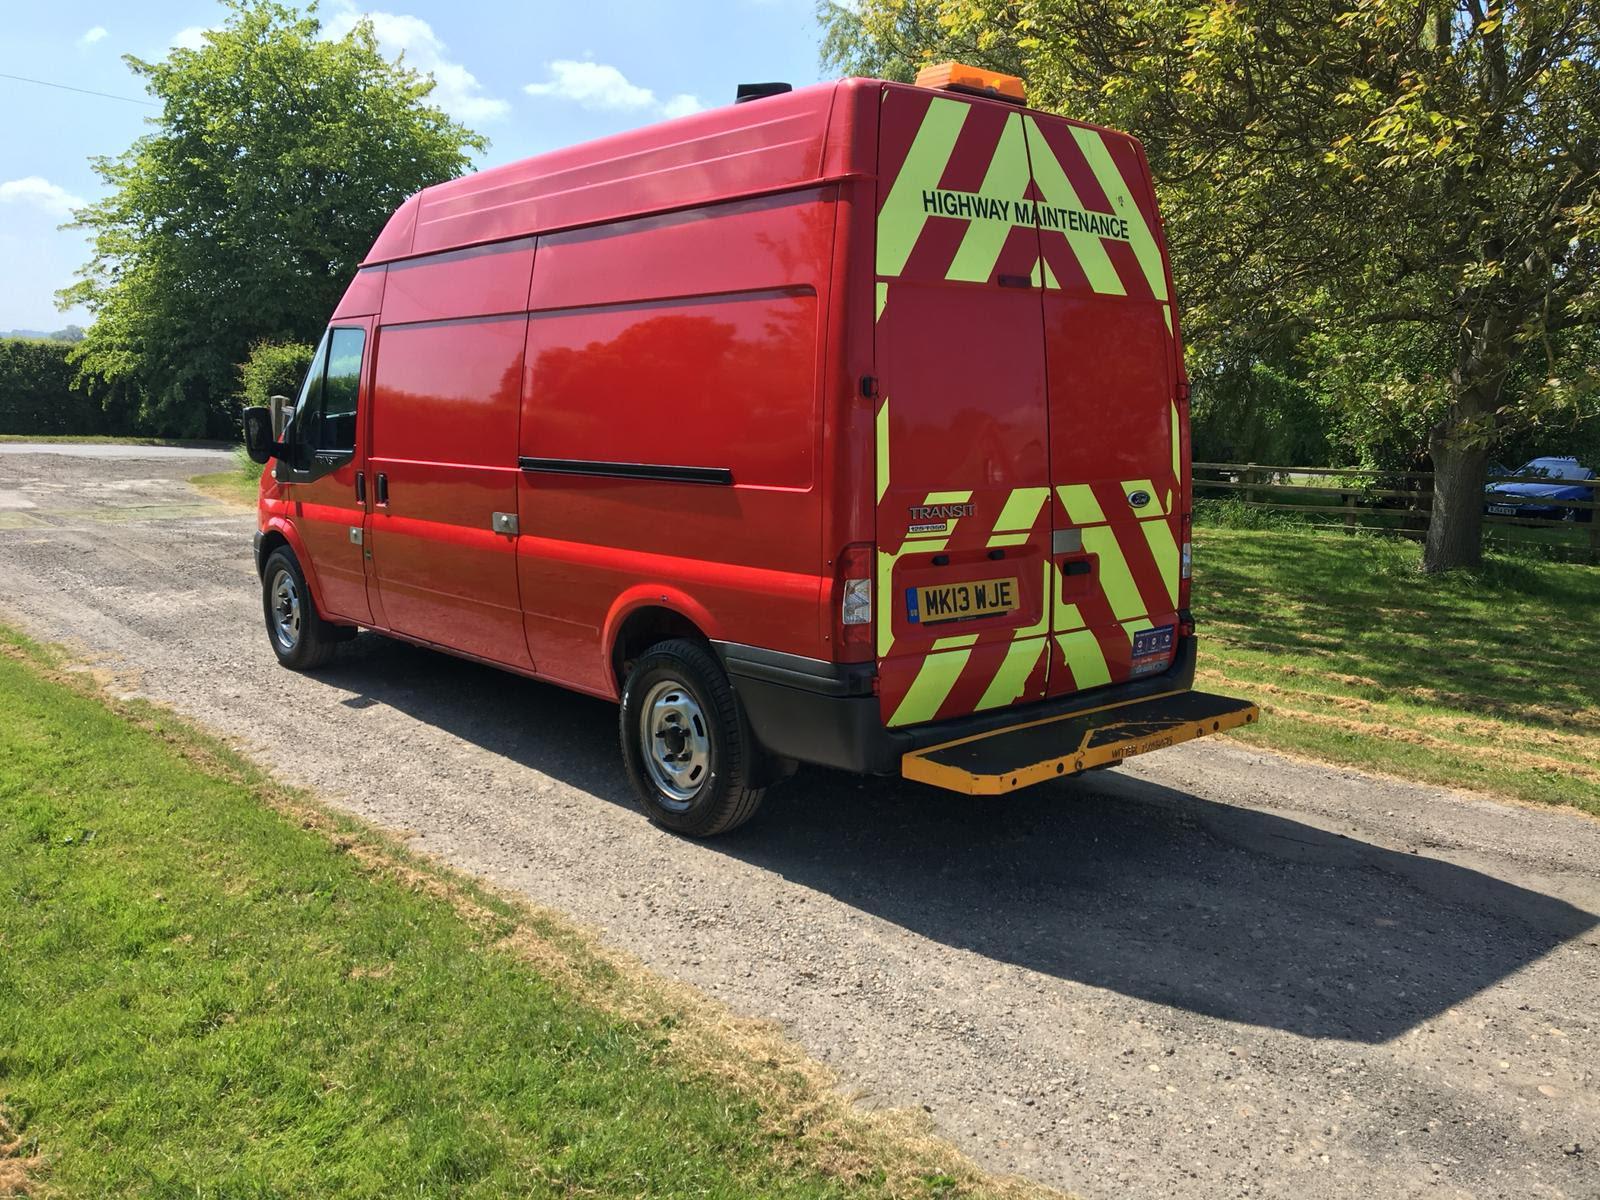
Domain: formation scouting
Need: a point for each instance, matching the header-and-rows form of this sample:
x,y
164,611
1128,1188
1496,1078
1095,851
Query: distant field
x,y
1488,680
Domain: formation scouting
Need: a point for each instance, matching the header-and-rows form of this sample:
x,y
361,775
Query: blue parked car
x,y
1546,497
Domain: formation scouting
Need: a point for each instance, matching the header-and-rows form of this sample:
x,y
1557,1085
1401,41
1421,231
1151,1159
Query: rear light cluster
x,y
853,589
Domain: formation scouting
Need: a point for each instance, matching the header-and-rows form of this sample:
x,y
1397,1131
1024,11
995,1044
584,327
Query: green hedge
x,y
39,393
273,369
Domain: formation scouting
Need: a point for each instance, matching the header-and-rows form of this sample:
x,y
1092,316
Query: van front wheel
x,y
300,638
685,743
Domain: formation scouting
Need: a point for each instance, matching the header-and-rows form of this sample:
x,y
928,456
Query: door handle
x,y
383,488
361,487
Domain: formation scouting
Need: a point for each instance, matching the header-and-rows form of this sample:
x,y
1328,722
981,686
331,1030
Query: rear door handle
x,y
361,487
382,488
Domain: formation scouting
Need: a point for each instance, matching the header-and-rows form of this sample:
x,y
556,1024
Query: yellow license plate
x,y
956,601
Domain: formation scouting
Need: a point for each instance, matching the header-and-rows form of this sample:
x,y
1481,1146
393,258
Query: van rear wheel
x,y
300,638
685,742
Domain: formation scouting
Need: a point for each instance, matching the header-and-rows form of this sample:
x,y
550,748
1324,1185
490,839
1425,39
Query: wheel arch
x,y
280,532
645,615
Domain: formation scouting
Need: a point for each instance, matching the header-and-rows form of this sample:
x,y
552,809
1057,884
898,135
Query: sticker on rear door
x,y
1152,649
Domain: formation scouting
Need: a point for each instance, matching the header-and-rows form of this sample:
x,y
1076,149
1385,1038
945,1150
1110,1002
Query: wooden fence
x,y
1399,503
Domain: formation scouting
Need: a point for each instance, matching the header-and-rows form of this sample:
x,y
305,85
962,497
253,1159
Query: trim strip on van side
x,y
626,470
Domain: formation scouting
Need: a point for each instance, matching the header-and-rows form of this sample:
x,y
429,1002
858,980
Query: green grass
x,y
1487,679
239,485
205,994
1567,542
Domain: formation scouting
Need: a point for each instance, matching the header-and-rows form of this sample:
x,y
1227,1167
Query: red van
x,y
845,426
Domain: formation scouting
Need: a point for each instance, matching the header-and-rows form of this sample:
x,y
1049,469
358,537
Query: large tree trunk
x,y
1455,528
1459,445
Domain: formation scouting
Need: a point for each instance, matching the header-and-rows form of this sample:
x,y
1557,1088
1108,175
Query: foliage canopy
x,y
277,157
1399,197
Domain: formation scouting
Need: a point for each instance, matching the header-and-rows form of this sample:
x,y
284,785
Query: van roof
x,y
807,136
767,145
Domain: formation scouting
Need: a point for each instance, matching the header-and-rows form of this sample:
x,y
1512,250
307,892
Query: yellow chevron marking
x,y
1115,187
1020,510
1164,549
1006,179
1012,677
1166,315
882,299
1132,627
935,677
902,218
883,448
1082,508
1085,658
1149,488
952,643
1009,539
1058,190
1065,616
1122,593
1177,445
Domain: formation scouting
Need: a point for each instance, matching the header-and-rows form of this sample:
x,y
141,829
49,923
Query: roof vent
x,y
760,91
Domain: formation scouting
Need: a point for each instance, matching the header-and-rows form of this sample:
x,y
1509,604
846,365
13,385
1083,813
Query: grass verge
x,y
1487,680
240,485
211,985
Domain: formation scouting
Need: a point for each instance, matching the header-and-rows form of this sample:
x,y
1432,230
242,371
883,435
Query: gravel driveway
x,y
1216,972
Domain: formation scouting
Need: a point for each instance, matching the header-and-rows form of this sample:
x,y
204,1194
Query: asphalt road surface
x,y
1213,973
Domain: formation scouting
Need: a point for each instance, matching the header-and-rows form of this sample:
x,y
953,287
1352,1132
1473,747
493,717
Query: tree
x,y
1414,184
276,159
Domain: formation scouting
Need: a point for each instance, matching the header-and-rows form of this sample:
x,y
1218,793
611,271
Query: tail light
x,y
853,594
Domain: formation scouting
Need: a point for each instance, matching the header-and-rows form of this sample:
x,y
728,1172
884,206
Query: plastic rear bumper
x,y
825,713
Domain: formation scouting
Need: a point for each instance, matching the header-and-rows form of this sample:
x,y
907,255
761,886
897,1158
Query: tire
x,y
677,702
300,638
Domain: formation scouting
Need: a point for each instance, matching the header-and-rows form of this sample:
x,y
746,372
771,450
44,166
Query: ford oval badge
x,y
1139,499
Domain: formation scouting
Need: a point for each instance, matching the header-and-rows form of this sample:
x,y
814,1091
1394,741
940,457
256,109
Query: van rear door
x,y
963,468
1028,442
1115,445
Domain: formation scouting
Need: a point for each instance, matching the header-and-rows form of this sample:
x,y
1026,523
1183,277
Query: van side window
x,y
325,417
339,391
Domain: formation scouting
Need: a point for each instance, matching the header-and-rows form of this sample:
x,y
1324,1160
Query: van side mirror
x,y
259,443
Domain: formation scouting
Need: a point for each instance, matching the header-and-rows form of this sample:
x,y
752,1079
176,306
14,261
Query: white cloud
x,y
681,105
37,192
456,89
600,87
91,36
593,85
191,37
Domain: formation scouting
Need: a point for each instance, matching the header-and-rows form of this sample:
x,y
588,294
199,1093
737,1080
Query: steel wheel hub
x,y
285,610
676,741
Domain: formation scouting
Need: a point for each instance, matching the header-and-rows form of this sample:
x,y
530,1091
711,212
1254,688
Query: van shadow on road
x,y
1108,880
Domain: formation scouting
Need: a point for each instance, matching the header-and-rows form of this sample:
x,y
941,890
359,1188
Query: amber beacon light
x,y
957,77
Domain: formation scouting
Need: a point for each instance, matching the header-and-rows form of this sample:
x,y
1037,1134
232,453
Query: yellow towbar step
x,y
989,764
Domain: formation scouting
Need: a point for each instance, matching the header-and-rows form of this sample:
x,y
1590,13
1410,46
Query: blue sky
x,y
532,75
